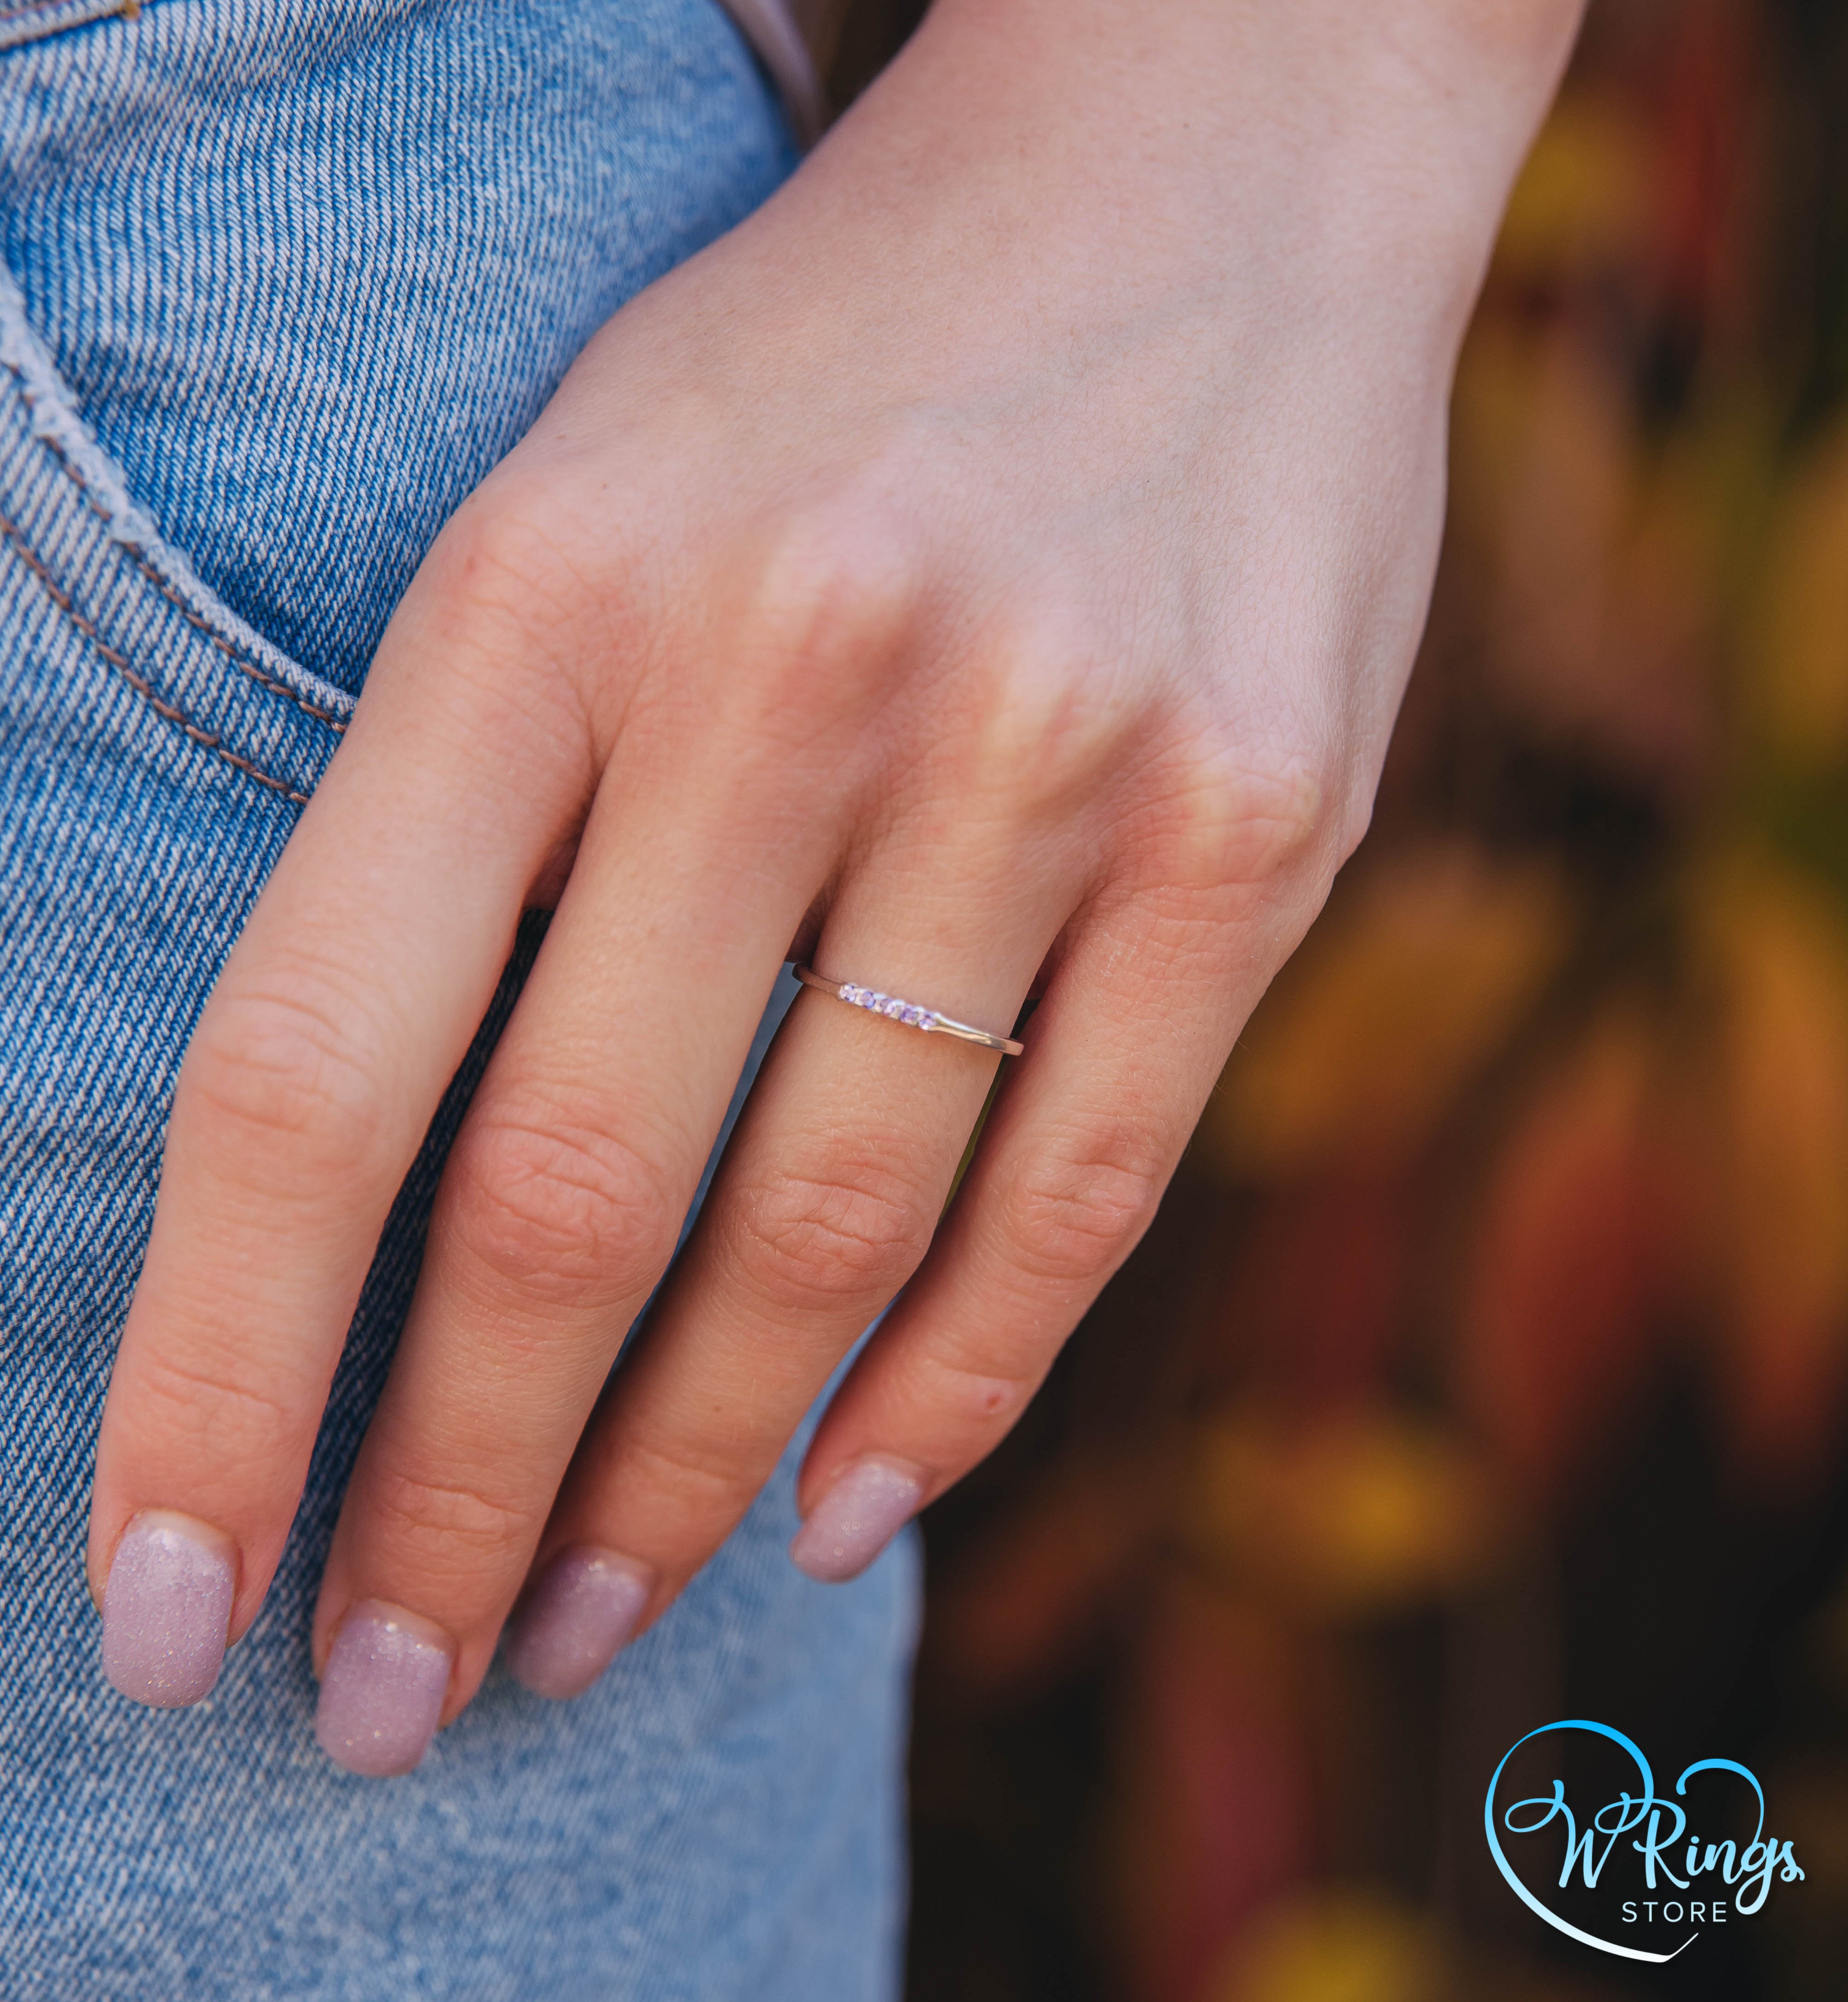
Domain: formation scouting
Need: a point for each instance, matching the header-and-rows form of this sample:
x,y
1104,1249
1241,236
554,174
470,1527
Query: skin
x,y
992,570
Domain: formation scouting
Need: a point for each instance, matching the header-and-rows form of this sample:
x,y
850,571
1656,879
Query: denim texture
x,y
311,270
279,284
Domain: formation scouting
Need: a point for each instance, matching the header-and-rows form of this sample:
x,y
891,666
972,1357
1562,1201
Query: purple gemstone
x,y
894,1007
914,1017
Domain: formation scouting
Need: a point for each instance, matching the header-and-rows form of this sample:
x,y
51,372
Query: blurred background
x,y
1486,1364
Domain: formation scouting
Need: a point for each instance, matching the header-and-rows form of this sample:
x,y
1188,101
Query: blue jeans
x,y
277,285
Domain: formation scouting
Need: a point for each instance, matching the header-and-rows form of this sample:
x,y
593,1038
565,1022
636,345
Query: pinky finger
x,y
1122,1056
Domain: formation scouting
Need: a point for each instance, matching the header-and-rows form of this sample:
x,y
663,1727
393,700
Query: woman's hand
x,y
993,569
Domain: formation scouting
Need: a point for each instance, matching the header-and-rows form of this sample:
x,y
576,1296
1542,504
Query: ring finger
x,y
825,1203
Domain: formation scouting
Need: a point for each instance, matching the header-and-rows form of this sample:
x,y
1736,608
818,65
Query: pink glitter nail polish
x,y
870,1502
166,1607
583,1607
383,1690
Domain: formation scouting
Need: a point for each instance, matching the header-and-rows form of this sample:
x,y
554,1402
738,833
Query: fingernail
x,y
383,1690
166,1607
584,1607
867,1506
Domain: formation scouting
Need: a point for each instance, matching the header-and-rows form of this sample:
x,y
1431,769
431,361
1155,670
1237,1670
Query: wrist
x,y
1391,135
1469,82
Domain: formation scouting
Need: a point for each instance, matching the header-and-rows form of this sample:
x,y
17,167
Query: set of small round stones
x,y
913,1016
889,1004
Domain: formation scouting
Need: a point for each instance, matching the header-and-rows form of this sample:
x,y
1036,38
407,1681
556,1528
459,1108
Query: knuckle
x,y
558,1208
1230,821
1077,1209
289,1074
214,1414
1263,820
845,1234
702,1483
526,610
1277,817
1355,818
461,1525
830,589
508,561
1038,718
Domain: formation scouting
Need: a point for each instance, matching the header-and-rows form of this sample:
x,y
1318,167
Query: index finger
x,y
338,1021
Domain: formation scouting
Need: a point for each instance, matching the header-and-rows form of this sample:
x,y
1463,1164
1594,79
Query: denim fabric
x,y
311,270
279,282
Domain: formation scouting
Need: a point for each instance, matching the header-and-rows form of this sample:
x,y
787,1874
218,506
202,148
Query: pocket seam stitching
x,y
336,723
139,555
54,422
168,712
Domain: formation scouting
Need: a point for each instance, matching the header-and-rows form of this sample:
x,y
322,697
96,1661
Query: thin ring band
x,y
907,1012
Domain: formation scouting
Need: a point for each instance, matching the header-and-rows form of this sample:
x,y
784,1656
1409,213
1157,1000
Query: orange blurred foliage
x,y
1538,1151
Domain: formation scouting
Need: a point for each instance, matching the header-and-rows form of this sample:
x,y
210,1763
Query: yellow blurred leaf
x,y
1394,1000
1583,197
1344,1515
1796,669
1780,946
1490,409
1336,1946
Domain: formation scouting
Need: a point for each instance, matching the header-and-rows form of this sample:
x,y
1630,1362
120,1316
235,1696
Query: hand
x,y
991,570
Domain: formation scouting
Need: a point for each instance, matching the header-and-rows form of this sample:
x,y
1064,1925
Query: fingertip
x,y
382,1691
583,1608
166,1608
868,1502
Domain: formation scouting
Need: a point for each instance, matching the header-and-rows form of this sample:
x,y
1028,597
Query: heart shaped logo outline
x,y
1647,1798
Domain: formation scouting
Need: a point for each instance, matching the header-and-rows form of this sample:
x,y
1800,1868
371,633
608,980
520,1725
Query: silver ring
x,y
907,1012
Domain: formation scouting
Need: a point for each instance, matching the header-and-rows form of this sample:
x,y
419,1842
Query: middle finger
x,y
558,1210
825,1203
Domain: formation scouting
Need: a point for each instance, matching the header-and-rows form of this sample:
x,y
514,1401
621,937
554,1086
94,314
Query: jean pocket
x,y
105,628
